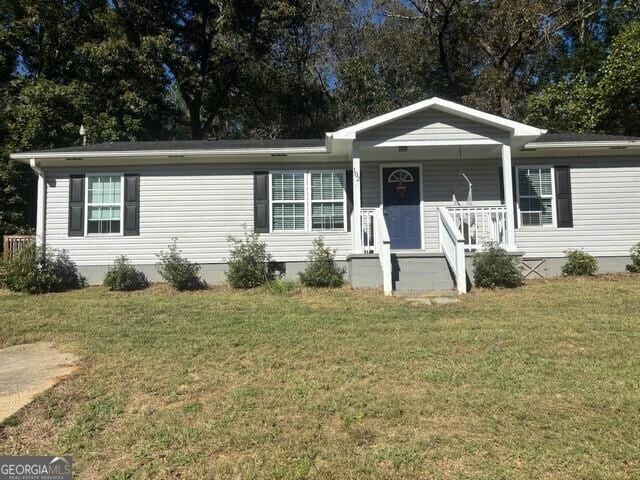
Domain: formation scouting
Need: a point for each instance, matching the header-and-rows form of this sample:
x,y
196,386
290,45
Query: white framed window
x,y
288,199
328,207
536,196
104,204
307,201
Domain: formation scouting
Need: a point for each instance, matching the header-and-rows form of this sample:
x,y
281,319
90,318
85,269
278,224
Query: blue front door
x,y
401,202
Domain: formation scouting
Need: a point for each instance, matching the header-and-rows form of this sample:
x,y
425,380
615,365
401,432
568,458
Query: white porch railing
x,y
367,225
375,239
453,247
479,225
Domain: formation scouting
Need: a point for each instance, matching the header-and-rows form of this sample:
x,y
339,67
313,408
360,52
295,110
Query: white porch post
x,y
356,224
41,201
507,178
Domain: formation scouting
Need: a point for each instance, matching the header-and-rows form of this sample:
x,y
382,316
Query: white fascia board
x,y
593,144
515,128
429,143
27,156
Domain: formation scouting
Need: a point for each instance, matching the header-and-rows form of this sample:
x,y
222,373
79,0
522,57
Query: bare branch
x,y
388,14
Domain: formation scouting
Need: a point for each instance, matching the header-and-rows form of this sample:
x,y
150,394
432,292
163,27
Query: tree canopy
x,y
180,69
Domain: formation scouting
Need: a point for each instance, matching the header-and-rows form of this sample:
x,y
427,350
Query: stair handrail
x,y
383,249
453,246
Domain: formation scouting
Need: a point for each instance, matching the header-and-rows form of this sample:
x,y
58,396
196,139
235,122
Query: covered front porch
x,y
434,177
447,200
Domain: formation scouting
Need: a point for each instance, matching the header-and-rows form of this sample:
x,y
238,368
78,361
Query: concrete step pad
x,y
422,283
428,301
429,294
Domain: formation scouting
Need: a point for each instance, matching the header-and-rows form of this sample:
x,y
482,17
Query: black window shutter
x,y
131,204
564,208
514,179
348,186
261,202
76,205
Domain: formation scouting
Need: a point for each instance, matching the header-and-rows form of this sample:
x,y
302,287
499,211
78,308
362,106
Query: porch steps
x,y
420,273
427,295
411,273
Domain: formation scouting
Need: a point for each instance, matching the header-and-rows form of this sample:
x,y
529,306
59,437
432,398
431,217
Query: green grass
x,y
540,382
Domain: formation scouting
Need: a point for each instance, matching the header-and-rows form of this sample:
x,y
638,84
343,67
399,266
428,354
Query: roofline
x,y
583,144
27,156
516,128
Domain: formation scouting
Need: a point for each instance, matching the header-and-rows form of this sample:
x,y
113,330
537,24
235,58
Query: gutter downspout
x,y
41,199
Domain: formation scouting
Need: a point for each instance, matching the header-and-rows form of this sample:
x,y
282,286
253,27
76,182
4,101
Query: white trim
x,y
356,214
41,208
430,143
421,184
517,129
506,164
307,201
303,201
86,204
553,198
586,144
410,178
344,200
168,153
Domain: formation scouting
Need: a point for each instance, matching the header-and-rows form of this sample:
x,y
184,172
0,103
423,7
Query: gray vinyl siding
x,y
435,126
439,177
606,209
200,205
203,205
605,196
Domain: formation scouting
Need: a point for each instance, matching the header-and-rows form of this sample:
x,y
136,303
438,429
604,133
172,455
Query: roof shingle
x,y
191,145
581,137
213,145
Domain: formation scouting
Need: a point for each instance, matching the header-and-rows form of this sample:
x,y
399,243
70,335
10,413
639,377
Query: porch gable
x,y
458,120
435,127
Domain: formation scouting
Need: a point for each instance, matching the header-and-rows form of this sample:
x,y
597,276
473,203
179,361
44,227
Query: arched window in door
x,y
400,176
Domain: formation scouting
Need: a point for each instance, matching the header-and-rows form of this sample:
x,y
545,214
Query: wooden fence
x,y
13,243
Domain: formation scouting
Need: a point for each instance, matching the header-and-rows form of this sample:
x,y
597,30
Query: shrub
x,y
179,272
493,267
249,264
124,277
36,269
280,285
634,266
579,263
322,270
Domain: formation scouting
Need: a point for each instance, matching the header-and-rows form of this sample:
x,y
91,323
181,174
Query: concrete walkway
x,y
28,370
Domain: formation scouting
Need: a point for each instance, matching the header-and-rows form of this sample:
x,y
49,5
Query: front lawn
x,y
540,382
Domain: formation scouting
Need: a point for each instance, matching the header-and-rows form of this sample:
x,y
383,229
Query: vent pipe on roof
x,y
83,134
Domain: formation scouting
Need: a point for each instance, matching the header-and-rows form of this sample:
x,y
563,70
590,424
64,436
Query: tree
x,y
435,34
565,106
154,69
65,63
619,84
489,55
124,84
608,101
287,92
207,48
